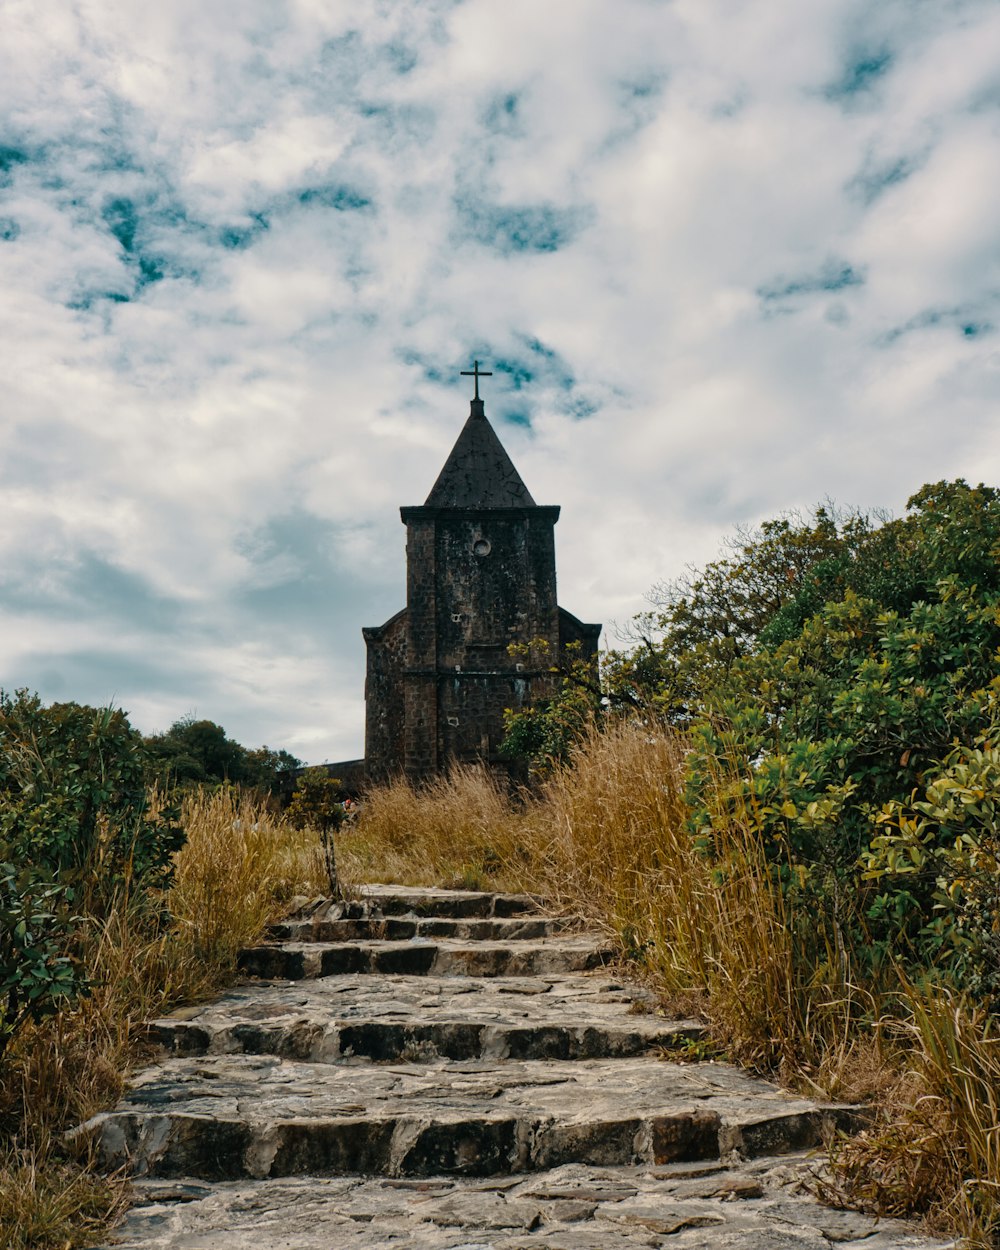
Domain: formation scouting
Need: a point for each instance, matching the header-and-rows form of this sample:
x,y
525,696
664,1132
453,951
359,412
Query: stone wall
x,y
384,697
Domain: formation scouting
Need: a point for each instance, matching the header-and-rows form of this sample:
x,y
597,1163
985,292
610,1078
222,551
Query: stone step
x,y
231,1116
760,1205
403,928
421,1019
294,961
402,900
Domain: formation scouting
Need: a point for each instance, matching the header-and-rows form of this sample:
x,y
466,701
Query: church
x,y
480,576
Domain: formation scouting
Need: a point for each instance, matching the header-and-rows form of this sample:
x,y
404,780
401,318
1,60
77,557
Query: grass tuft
x,y
238,871
609,838
936,1150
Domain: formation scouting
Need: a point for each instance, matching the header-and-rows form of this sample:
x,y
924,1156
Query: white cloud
x,y
246,247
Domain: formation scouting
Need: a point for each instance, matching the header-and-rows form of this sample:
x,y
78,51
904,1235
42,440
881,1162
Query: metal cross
x,y
477,373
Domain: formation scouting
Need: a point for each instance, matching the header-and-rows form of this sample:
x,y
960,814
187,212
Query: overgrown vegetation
x,y
194,753
319,803
783,800
115,907
781,796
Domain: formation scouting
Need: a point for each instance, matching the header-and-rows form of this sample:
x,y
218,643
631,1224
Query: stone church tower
x,y
481,574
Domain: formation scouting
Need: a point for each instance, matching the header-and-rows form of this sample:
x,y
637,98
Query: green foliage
x,y
318,803
941,853
544,733
73,799
198,752
37,975
769,583
825,735
76,832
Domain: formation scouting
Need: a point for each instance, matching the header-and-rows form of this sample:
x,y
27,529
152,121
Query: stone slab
x,y
226,1116
340,928
294,961
332,1019
756,1206
402,900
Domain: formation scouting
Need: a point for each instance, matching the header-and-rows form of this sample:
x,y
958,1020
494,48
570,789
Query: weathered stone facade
x,y
481,575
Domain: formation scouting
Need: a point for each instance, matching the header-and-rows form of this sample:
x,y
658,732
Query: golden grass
x,y
239,869
46,1204
936,1148
608,838
460,831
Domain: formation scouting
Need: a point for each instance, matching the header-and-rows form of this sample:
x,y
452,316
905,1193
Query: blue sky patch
x,y
342,198
580,409
515,373
402,57
122,220
10,158
502,114
875,179
430,370
959,320
237,238
532,228
860,74
639,102
835,275
9,229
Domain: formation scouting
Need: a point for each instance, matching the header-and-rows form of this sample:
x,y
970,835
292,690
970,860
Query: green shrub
x,y
37,974
939,858
828,736
73,799
318,803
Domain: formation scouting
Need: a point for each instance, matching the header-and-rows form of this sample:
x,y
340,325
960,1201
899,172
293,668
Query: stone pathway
x,y
445,1069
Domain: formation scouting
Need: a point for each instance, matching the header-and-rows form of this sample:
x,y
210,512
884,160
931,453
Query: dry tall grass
x,y
461,831
608,838
238,870
937,1147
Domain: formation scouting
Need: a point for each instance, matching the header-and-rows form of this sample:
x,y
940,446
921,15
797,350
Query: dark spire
x,y
479,473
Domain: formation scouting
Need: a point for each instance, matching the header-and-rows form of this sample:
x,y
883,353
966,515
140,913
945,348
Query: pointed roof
x,y
479,473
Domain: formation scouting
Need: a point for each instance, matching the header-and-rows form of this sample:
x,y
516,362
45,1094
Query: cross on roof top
x,y
477,373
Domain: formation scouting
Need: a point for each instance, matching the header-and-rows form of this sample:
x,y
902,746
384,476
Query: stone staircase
x,y
435,1068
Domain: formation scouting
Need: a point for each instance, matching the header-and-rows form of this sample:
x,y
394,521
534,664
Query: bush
x,y
73,800
194,753
37,974
76,833
318,804
825,736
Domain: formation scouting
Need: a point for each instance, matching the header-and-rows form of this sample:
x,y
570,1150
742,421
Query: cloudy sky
x,y
725,258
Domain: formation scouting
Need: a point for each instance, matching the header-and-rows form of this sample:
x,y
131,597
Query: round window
x,y
481,547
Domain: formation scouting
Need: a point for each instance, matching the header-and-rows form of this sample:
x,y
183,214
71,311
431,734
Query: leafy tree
x,y
198,752
267,769
544,733
319,803
824,734
73,799
761,592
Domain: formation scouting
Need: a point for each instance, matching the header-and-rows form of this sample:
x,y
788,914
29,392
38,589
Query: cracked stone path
x,y
452,1069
